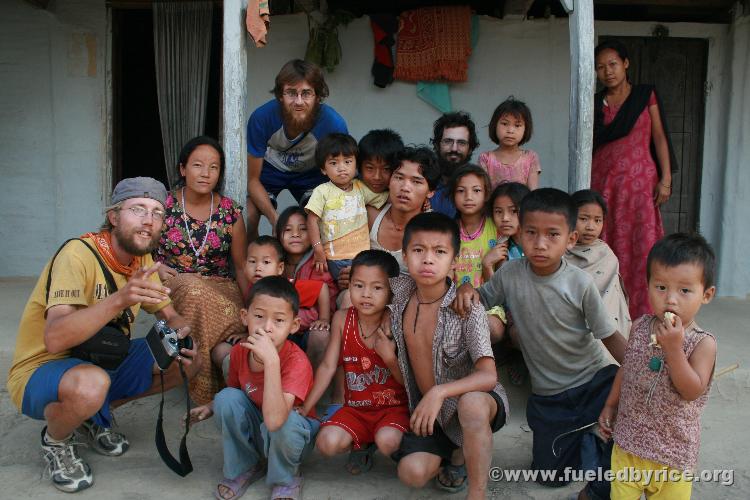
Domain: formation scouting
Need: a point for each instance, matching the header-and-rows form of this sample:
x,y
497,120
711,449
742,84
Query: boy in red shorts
x,y
375,403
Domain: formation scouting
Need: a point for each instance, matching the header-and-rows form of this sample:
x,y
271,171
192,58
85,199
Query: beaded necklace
x,y
187,228
470,237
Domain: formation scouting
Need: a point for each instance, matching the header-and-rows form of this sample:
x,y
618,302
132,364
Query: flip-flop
x,y
452,473
361,460
239,484
292,491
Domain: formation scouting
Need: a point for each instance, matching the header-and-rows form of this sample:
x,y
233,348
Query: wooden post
x,y
234,100
582,80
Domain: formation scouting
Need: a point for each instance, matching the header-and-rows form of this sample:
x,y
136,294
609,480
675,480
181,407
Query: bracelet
x,y
665,186
316,244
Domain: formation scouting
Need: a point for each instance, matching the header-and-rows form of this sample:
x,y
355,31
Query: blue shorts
x,y
133,377
298,183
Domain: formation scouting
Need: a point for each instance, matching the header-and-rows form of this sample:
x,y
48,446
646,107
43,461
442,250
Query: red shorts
x,y
362,424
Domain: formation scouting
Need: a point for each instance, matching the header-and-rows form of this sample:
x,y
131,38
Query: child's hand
x,y
343,281
385,346
466,296
496,256
165,272
607,421
320,324
319,259
669,336
422,421
260,344
235,337
200,413
302,410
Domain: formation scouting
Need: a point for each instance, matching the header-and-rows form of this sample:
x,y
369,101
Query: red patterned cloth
x,y
434,44
624,172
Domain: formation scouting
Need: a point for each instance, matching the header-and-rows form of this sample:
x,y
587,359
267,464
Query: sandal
x,y
291,492
453,474
361,460
236,487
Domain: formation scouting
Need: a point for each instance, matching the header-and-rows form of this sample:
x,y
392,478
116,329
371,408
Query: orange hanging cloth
x,y
103,242
257,20
434,44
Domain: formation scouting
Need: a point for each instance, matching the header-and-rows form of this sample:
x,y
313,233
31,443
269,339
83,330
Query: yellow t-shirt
x,y
469,259
77,279
343,217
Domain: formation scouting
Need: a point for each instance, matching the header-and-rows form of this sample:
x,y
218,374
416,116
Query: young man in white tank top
x,y
412,183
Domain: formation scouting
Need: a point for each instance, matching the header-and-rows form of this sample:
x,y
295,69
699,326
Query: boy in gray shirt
x,y
559,315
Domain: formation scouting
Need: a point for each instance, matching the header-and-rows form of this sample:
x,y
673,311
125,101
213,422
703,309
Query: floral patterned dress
x,y
203,292
624,172
174,246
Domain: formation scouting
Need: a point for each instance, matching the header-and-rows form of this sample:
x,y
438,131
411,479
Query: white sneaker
x,y
68,471
103,439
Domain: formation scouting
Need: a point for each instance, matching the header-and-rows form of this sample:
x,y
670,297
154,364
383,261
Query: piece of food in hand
x,y
653,342
670,317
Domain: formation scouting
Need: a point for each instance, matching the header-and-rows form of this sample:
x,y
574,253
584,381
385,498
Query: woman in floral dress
x,y
632,167
203,231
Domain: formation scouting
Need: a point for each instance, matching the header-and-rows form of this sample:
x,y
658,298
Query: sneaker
x,y
68,471
103,439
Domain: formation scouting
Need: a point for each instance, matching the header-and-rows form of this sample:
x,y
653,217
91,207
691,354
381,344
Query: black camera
x,y
165,345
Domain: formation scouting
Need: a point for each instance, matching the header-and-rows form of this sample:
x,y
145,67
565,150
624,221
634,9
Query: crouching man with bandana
x,y
70,303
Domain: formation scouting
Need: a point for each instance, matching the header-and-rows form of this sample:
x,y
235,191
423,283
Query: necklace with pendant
x,y
362,330
398,229
420,303
197,251
655,364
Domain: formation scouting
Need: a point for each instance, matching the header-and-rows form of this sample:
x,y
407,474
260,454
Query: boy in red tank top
x,y
375,402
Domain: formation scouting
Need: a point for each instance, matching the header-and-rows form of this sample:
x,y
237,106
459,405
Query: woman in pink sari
x,y
629,135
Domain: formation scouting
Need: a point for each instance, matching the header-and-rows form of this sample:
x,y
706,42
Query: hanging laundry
x,y
434,43
384,27
258,20
438,94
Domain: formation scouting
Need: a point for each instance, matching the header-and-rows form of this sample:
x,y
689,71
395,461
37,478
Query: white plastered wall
x,y
52,127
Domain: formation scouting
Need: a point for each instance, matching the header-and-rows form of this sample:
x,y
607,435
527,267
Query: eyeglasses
x,y
292,94
459,142
142,212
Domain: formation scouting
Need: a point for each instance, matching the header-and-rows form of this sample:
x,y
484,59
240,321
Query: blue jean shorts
x,y
133,377
298,183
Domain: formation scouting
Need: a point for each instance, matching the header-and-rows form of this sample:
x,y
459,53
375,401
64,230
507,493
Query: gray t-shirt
x,y
558,318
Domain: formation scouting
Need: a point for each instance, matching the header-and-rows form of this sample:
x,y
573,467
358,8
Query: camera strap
x,y
184,466
128,317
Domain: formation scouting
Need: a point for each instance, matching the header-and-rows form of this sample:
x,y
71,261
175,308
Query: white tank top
x,y
374,244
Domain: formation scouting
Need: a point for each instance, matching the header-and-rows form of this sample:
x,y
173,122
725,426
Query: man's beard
x,y
127,241
448,167
299,125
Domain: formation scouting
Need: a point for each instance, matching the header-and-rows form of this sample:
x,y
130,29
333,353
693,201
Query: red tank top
x,y
369,383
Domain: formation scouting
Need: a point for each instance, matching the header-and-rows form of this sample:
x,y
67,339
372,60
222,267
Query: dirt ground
x,y
140,474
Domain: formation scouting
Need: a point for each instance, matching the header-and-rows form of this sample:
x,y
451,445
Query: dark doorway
x,y
137,148
677,66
